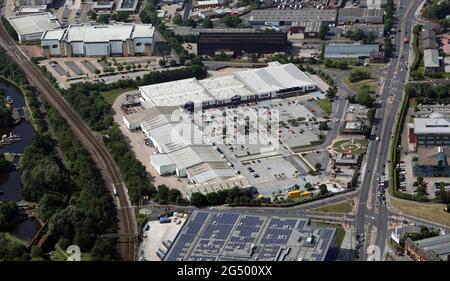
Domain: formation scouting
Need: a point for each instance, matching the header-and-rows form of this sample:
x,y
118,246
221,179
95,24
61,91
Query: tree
x,y
104,249
36,252
232,21
207,23
120,16
50,204
213,199
92,15
308,186
318,166
323,189
198,199
5,166
190,22
162,62
174,195
323,126
103,18
177,19
163,193
358,74
324,29
364,98
331,93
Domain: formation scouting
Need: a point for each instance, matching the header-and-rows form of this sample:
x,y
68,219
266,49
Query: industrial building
x,y
287,17
26,10
304,30
373,4
432,61
239,42
228,236
181,149
434,131
275,80
433,162
428,39
103,5
376,29
350,51
128,6
429,249
360,15
31,27
99,40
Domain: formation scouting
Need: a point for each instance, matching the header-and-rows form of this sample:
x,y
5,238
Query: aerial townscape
x,y
225,130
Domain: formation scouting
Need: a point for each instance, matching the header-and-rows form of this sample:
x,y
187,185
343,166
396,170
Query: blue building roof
x,y
350,50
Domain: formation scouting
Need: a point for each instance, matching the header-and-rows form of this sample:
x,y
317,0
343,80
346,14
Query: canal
x,y
10,183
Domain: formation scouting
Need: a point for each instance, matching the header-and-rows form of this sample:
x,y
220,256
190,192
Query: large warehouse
x,y
275,80
241,41
228,236
99,40
287,17
31,27
360,15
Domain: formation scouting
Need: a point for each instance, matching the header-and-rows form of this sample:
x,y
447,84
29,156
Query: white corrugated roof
x,y
161,159
431,126
175,93
431,58
190,156
106,33
34,23
274,78
56,34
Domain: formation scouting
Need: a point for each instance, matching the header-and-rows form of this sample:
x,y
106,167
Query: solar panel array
x,y
248,227
232,236
184,240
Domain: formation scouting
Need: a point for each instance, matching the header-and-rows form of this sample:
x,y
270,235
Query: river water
x,y
10,183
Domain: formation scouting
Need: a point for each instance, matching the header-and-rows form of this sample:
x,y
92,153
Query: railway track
x,y
127,227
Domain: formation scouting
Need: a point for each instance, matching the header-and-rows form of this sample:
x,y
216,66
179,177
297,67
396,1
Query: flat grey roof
x,y
127,5
34,23
231,236
333,49
439,245
291,15
360,13
431,58
431,126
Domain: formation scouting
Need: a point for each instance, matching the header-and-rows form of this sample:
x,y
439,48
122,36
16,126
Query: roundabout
x,y
350,146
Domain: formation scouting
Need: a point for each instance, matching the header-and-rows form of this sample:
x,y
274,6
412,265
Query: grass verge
x,y
111,96
427,211
343,207
325,105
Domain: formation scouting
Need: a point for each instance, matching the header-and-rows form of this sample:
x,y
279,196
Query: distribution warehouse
x,y
99,40
273,81
31,27
227,236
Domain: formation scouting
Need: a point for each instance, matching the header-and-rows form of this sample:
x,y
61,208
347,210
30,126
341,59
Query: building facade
x,y
99,40
241,42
